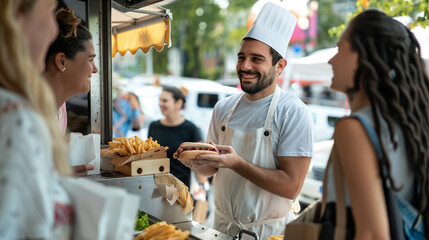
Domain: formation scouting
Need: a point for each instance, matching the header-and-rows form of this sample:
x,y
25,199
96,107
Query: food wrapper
x,y
101,212
169,192
174,190
296,207
85,149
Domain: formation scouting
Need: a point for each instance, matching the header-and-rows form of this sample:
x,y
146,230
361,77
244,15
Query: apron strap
x,y
270,114
246,226
272,109
226,120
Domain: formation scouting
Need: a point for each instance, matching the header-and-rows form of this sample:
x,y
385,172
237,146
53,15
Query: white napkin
x,y
101,212
169,192
85,150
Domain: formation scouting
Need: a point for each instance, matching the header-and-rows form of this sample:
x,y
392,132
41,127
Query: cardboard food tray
x,y
151,162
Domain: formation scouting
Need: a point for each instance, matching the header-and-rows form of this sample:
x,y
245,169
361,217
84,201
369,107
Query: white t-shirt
x,y
32,202
292,124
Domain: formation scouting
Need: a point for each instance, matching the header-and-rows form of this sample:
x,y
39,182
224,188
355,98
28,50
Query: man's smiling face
x,y
254,66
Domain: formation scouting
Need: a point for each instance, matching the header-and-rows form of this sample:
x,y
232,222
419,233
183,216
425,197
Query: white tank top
x,y
400,169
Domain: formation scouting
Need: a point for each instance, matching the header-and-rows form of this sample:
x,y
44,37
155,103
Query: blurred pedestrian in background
x,y
127,114
174,129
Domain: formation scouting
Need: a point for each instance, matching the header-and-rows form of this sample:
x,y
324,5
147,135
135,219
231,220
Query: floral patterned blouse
x,y
33,204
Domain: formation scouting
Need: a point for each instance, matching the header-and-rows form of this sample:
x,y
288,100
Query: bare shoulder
x,y
353,145
349,129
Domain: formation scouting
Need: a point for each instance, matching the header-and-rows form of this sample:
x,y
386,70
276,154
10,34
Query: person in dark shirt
x,y
174,129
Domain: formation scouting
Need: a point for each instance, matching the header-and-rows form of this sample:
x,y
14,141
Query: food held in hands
x,y
190,150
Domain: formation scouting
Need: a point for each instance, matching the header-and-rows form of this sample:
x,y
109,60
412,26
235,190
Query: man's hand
x,y
199,167
186,163
227,159
292,171
82,170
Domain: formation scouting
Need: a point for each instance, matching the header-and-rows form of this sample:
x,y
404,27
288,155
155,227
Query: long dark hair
x,y
393,75
71,38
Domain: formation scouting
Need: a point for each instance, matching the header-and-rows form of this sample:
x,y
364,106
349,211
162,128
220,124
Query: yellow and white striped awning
x,y
141,28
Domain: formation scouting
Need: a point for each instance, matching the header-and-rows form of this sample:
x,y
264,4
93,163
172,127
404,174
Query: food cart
x,y
111,23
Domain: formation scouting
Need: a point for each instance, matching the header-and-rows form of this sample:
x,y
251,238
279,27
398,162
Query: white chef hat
x,y
273,26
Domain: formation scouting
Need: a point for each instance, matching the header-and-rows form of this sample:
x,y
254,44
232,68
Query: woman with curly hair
x,y
69,66
379,67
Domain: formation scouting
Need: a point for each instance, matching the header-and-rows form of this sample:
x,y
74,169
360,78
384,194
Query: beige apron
x,y
240,204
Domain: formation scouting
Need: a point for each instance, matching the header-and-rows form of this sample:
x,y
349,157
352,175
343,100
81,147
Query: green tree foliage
x,y
234,34
326,19
239,5
418,10
193,30
160,61
200,26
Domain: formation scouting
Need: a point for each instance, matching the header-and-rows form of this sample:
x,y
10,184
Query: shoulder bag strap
x,y
324,184
340,204
393,211
375,143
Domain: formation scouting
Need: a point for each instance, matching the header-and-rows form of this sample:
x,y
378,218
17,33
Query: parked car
x,y
327,107
324,118
201,98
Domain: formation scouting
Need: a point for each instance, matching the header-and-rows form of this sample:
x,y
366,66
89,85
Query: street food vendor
x,y
265,136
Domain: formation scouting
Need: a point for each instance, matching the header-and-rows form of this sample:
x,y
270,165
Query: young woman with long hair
x,y
379,67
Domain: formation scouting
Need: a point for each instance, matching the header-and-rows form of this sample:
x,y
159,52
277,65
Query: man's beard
x,y
260,85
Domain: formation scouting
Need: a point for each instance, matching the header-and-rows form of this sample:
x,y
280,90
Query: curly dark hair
x,y
392,73
71,38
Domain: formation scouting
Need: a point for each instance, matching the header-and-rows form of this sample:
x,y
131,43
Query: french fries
x,y
183,196
278,237
162,231
133,145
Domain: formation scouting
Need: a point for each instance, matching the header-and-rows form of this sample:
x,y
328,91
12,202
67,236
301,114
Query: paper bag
x,y
101,212
171,187
200,213
85,150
